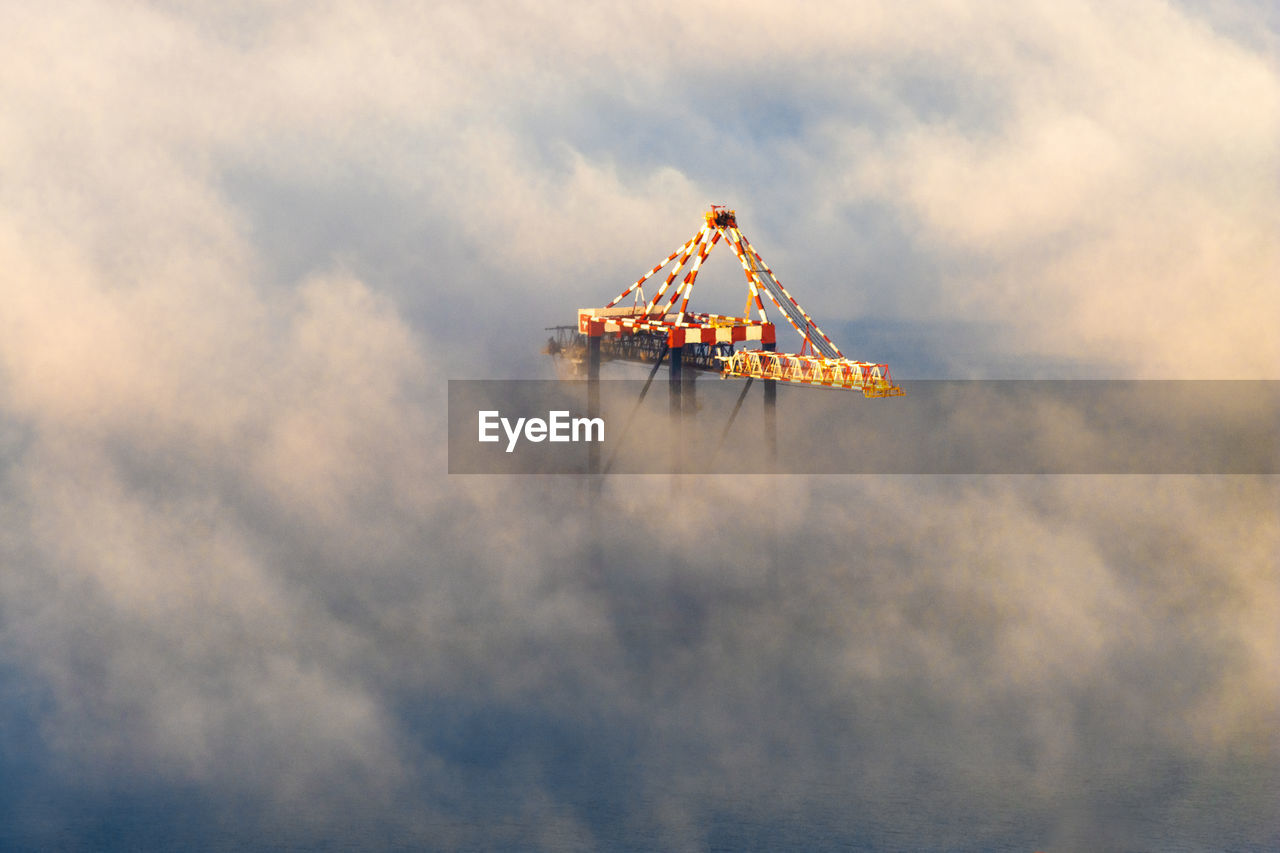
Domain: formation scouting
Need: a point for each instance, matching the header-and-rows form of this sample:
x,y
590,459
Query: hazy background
x,y
243,245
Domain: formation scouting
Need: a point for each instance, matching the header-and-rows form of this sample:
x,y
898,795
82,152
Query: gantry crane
x,y
663,323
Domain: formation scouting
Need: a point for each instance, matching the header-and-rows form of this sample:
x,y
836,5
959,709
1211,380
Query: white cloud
x,y
232,555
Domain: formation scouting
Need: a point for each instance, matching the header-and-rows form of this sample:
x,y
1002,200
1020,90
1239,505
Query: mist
x,y
243,602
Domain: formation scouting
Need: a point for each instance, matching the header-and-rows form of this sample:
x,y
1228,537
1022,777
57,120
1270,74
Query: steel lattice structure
x,y
665,320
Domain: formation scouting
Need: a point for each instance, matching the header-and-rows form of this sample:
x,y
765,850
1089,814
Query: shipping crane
x,y
648,328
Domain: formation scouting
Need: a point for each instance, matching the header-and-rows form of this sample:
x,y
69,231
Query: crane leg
x,y
593,399
771,415
676,385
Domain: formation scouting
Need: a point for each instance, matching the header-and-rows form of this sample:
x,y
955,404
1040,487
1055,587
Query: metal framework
x,y
872,379
639,330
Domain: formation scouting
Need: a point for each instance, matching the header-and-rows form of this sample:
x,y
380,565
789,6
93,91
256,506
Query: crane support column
x,y
593,398
676,382
676,385
771,412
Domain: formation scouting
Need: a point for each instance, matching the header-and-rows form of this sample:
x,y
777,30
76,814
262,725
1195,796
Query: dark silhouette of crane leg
x,y
593,399
771,416
676,386
771,451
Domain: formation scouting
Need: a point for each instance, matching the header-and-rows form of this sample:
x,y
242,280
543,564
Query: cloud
x,y
243,246
1116,204
1095,182
169,613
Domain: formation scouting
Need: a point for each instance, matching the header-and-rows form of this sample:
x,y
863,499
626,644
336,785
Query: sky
x,y
245,245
